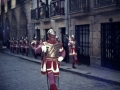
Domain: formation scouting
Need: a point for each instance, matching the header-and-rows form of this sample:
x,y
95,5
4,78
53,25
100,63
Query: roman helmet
x,y
72,36
22,38
51,31
57,37
35,37
26,38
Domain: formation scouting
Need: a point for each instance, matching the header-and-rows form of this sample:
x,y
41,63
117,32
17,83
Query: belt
x,y
51,58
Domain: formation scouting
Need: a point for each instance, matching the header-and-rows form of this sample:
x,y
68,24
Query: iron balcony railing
x,y
34,14
101,3
20,2
79,5
2,9
40,13
9,4
43,12
57,7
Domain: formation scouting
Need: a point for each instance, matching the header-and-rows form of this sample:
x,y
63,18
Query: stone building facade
x,y
95,24
17,21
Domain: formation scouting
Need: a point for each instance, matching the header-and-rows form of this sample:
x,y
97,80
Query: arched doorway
x,y
13,29
82,33
7,31
23,25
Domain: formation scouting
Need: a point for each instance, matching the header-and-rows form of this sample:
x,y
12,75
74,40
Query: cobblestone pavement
x,y
18,74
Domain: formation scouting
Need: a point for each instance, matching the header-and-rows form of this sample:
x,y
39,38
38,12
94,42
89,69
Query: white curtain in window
x,y
6,7
34,3
13,4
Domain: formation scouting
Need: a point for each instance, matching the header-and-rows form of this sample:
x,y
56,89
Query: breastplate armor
x,y
35,42
73,44
52,49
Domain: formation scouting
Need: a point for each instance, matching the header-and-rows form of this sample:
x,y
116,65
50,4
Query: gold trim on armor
x,y
52,49
51,59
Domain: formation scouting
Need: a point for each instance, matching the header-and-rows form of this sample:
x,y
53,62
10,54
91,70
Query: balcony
x,y
9,4
41,13
2,9
79,7
34,15
18,2
106,5
102,3
44,13
57,9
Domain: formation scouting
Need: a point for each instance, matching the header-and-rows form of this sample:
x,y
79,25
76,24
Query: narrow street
x,y
19,74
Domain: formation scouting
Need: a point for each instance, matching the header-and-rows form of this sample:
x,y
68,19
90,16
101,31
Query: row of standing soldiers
x,y
23,46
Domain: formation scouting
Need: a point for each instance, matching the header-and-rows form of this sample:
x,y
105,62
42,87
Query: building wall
x,y
94,18
17,14
95,31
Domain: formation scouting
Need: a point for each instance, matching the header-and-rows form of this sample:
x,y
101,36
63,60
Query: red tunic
x,y
26,44
51,64
71,44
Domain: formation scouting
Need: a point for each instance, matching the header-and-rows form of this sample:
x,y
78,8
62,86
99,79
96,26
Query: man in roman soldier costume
x,y
10,45
22,45
53,55
13,45
34,44
26,46
73,52
17,45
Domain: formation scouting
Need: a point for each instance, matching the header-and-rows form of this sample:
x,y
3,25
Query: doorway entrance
x,y
65,44
82,36
110,45
38,34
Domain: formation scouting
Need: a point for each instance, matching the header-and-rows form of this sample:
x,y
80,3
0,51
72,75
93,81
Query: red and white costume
x,y
11,45
26,46
34,44
21,45
73,52
50,61
17,45
71,44
53,55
